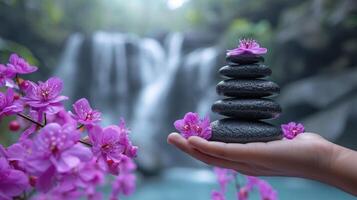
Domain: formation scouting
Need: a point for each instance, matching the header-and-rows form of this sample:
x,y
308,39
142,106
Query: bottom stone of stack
x,y
231,130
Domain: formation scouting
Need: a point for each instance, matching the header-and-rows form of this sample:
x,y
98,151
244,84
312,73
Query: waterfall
x,y
138,78
204,61
153,97
67,67
111,71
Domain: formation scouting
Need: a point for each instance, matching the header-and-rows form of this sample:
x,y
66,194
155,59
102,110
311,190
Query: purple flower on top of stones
x,y
55,150
6,76
216,195
8,104
20,65
110,145
292,129
45,95
247,46
192,125
84,114
12,182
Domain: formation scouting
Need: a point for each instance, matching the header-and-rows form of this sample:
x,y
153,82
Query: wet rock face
x,y
246,71
239,131
247,108
247,88
247,102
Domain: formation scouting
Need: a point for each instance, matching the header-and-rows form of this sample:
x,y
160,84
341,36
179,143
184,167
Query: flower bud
x,y
14,126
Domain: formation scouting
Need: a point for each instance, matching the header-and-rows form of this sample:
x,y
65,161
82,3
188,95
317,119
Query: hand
x,y
305,156
308,156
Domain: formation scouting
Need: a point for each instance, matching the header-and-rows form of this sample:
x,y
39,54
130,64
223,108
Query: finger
x,y
182,144
229,151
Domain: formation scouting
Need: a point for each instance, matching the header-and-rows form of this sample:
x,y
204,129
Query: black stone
x,y
247,108
244,59
245,71
247,88
237,131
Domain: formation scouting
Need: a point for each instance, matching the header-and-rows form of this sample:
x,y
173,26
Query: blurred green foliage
x,y
7,47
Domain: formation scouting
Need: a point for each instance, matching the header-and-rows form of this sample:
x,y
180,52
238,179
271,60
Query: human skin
x,y
307,156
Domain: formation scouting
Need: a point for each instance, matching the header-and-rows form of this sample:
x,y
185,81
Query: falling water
x,y
151,98
204,60
138,78
69,61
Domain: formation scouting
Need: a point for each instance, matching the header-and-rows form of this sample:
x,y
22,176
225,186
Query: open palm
x,y
304,156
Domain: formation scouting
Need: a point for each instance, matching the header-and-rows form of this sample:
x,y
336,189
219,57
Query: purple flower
x,y
127,165
62,117
60,192
12,182
215,195
86,177
110,145
6,76
8,105
30,127
247,46
266,191
224,176
243,193
125,182
20,65
192,125
55,150
45,95
16,154
251,182
84,114
292,129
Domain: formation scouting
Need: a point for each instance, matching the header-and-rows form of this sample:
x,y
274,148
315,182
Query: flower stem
x,y
30,119
85,143
45,118
236,182
17,80
80,126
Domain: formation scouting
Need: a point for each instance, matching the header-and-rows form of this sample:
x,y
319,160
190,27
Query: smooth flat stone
x,y
244,59
247,88
234,131
245,71
247,108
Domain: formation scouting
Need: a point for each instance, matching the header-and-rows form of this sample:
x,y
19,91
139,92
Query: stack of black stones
x,y
246,104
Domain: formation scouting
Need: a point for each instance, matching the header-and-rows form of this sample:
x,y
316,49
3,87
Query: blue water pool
x,y
196,184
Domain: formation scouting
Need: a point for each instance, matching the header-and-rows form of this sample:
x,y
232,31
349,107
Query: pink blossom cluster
x,y
292,129
225,176
192,125
59,154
